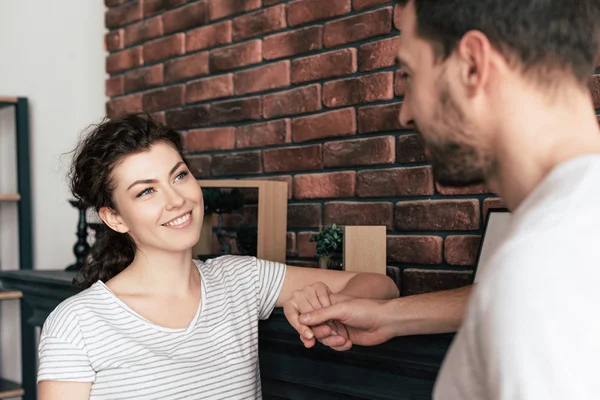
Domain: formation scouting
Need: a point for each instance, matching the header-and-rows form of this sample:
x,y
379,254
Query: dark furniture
x,y
404,368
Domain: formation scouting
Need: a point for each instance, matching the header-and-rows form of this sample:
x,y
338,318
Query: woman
x,y
152,323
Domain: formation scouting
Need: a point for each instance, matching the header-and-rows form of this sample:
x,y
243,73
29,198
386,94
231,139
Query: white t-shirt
x,y
532,329
94,337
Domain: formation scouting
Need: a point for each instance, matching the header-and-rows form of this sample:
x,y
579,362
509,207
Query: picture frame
x,y
271,217
495,232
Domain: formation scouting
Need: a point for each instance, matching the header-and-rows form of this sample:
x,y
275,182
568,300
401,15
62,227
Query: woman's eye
x,y
181,175
145,192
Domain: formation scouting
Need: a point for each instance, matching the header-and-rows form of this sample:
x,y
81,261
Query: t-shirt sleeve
x,y
270,277
62,353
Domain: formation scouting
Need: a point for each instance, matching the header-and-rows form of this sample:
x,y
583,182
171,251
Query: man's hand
x,y
310,298
364,320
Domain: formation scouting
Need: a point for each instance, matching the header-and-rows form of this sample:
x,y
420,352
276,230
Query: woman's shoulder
x,y
226,262
69,312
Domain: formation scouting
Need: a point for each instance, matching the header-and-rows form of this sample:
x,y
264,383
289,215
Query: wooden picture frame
x,y
272,216
365,248
495,233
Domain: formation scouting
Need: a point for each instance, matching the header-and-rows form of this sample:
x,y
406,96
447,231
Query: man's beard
x,y
455,160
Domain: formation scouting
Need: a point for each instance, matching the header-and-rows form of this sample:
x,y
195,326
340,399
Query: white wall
x,y
51,52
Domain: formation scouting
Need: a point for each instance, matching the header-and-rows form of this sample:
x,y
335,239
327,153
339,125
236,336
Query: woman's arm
x,y
368,285
52,390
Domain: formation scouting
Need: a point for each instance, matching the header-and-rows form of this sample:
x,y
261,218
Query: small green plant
x,y
329,241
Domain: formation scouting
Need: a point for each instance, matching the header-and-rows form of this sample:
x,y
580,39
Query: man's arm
x,y
370,322
435,312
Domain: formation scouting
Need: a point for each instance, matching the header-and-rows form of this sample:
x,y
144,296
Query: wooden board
x,y
365,249
4,99
9,389
10,295
272,214
10,197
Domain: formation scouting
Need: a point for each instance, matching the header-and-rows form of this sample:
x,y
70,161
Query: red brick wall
x,y
305,91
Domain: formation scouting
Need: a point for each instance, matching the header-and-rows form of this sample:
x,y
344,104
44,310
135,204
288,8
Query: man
x,y
498,90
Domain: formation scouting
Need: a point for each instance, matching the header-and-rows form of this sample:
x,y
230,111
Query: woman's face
x,y
158,200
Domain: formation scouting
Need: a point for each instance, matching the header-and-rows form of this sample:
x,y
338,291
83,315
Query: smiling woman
x,y
151,322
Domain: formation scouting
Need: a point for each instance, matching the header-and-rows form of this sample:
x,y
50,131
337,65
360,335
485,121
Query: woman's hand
x,y
310,298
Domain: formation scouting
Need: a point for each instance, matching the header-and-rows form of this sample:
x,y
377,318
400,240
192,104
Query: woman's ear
x,y
113,220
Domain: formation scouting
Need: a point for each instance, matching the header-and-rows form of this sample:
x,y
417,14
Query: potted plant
x,y
330,245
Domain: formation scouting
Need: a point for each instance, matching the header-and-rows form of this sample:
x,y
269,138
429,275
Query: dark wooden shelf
x,y
9,389
10,295
10,197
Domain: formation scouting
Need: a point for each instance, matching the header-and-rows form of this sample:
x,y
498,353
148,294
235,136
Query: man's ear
x,y
113,220
475,55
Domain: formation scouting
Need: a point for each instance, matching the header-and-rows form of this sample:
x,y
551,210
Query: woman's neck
x,y
154,272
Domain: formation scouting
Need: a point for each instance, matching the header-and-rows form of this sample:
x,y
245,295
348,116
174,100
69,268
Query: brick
x,y
347,213
595,89
209,88
209,139
363,89
265,77
263,134
461,250
325,65
259,22
399,83
379,118
325,186
416,281
358,27
306,248
152,7
397,16
363,4
336,123
199,165
208,36
184,18
236,110
471,189
271,2
143,30
184,68
304,216
172,96
114,86
188,117
125,104
144,78
114,40
292,43
293,159
159,117
378,55
225,8
491,203
424,250
395,182
167,47
113,3
290,244
124,60
235,56
296,101
304,11
125,14
410,149
236,164
348,153
437,215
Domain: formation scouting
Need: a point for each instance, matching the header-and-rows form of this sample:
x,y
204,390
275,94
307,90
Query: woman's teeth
x,y
179,220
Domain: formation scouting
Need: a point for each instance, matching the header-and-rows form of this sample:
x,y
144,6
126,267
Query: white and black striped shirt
x,y
94,337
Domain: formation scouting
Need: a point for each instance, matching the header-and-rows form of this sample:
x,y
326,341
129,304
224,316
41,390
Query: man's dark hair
x,y
541,35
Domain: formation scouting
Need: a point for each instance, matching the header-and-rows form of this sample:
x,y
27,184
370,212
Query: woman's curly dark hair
x,y
90,180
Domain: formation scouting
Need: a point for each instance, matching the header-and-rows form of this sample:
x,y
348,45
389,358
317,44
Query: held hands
x,y
313,297
364,321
